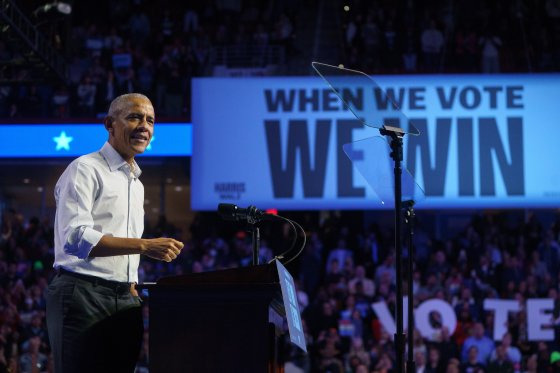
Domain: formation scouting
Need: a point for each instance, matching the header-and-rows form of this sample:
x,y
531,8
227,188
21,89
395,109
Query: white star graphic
x,y
149,147
63,141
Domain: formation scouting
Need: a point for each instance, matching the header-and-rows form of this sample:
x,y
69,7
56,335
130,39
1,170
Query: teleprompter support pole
x,y
409,219
256,238
396,135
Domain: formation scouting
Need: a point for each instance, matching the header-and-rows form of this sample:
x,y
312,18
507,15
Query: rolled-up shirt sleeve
x,y
76,195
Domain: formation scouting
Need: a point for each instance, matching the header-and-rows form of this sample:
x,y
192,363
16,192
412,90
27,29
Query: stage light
x,y
272,211
56,6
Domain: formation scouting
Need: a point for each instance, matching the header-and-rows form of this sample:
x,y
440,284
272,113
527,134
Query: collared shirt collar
x,y
116,162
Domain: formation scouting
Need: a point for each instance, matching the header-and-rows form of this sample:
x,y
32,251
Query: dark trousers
x,y
94,325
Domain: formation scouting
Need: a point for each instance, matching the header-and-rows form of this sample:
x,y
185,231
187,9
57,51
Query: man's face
x,y
478,330
131,129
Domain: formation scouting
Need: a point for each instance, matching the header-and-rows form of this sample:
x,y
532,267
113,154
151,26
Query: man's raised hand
x,y
163,248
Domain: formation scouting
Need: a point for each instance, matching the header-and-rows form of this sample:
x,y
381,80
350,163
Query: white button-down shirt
x,y
98,194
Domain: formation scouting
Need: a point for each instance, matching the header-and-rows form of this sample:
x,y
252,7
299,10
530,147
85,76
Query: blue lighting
x,y
73,140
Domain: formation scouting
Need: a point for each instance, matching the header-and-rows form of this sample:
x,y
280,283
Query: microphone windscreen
x,y
227,211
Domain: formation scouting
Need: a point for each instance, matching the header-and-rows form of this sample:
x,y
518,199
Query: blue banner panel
x,y
487,141
73,140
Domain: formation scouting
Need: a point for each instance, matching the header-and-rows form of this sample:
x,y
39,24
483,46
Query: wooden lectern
x,y
223,321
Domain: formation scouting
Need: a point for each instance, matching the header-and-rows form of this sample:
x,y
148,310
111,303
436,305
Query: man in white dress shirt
x,y
93,311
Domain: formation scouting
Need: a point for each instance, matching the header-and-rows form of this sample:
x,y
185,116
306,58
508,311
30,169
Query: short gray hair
x,y
117,105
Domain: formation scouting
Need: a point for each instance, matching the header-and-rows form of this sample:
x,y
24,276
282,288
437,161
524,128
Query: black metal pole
x,y
396,134
256,236
409,206
398,259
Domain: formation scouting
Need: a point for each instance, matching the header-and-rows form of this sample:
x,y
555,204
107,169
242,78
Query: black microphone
x,y
251,214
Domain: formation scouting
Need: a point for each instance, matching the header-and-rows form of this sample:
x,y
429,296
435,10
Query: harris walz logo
x,y
229,190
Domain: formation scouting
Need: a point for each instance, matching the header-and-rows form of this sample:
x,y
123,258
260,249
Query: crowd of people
x,y
156,50
489,259
341,273
453,37
148,48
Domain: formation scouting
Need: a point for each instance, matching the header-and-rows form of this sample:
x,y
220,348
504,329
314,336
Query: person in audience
x,y
472,363
512,353
501,364
368,286
33,360
484,345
